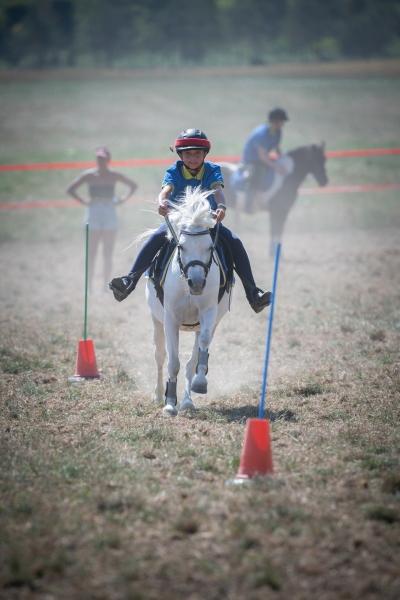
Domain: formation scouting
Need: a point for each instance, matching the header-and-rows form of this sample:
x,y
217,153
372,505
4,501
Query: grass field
x,y
101,497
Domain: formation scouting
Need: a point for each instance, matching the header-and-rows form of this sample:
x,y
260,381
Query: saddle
x,y
263,178
259,176
159,267
240,177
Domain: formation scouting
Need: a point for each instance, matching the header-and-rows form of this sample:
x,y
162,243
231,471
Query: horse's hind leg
x,y
187,402
159,353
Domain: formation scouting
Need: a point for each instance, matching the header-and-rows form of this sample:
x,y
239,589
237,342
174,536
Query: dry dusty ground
x,y
103,498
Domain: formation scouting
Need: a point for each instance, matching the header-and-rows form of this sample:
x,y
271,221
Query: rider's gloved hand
x,y
163,207
220,213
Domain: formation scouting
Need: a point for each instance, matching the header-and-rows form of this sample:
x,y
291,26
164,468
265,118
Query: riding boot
x,y
122,286
257,298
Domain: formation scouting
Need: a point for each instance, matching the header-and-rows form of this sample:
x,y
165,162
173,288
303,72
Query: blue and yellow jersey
x,y
179,177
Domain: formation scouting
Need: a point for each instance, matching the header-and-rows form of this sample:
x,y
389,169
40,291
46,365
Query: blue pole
x,y
261,406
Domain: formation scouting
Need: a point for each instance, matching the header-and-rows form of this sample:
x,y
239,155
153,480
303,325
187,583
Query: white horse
x,y
191,288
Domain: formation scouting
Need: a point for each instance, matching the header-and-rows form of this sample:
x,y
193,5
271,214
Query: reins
x,y
171,229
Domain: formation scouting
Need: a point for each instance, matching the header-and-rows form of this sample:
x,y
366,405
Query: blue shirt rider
x,y
192,146
256,159
178,177
265,138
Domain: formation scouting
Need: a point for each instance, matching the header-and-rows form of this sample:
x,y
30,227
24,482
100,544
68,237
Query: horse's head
x,y
317,162
195,254
192,220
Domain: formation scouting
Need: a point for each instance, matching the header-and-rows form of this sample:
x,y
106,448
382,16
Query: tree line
x,y
128,33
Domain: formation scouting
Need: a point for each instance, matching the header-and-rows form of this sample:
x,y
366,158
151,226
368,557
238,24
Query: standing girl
x,y
101,211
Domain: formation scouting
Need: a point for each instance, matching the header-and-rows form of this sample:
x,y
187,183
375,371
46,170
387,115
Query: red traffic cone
x,y
86,367
256,458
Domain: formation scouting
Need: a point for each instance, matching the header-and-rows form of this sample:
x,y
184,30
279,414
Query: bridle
x,y
193,263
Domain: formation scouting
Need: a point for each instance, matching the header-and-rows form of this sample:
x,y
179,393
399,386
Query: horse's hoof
x,y
186,405
199,386
170,410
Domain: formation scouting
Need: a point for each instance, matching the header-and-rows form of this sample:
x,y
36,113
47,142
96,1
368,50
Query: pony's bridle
x,y
193,263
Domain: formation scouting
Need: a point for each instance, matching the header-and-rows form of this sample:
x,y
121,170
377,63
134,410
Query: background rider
x,y
257,161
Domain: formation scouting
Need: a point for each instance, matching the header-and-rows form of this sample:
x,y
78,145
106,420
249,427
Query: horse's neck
x,y
301,167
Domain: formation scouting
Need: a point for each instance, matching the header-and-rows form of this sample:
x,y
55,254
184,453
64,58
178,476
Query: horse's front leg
x,y
171,330
207,326
187,403
159,354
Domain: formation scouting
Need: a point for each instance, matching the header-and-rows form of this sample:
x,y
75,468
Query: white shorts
x,y
101,215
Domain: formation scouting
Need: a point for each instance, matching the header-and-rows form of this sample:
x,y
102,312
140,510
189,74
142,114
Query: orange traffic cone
x,y
256,458
86,367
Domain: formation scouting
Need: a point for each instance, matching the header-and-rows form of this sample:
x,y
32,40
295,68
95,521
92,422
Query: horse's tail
x,y
142,237
229,171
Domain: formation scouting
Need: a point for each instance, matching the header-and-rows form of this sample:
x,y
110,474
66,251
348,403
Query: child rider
x,y
193,170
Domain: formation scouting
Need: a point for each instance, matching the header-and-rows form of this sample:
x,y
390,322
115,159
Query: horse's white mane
x,y
192,210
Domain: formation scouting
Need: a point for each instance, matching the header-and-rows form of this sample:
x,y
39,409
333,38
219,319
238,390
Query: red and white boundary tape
x,y
142,162
350,189
332,189
154,162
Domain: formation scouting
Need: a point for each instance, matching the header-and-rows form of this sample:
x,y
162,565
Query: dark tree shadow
x,y
242,413
236,414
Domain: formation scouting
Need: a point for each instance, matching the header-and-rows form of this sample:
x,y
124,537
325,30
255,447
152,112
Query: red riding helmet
x,y
192,139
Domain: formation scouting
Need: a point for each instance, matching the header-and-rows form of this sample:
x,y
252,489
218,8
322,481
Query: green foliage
x,y
51,33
